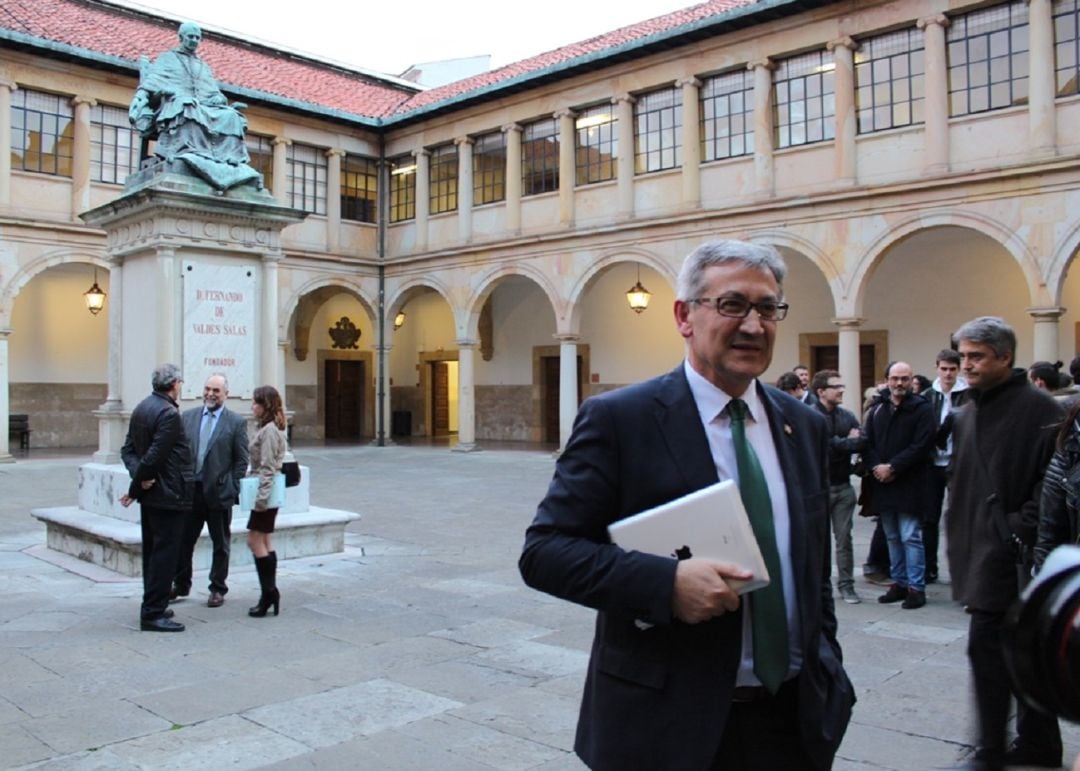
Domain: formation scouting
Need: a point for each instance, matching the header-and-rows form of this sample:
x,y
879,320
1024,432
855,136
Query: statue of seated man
x,y
179,104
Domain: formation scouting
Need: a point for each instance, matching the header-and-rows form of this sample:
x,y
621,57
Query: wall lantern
x,y
399,320
95,297
638,296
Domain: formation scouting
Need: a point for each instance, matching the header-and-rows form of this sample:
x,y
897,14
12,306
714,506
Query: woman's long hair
x,y
269,399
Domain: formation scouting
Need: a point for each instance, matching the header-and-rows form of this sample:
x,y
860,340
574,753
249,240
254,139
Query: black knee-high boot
x,y
267,569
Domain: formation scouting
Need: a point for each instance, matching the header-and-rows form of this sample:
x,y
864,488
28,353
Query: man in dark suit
x,y
219,445
158,458
685,673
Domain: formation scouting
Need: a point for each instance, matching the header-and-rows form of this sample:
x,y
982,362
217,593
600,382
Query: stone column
x,y
423,197
333,198
512,179
5,405
763,127
843,50
848,340
567,167
624,164
466,396
691,142
283,345
111,422
382,375
465,187
171,304
936,129
1042,84
269,333
1045,347
6,87
80,155
281,170
568,386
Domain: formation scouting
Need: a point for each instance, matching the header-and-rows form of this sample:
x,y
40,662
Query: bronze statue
x,y
179,104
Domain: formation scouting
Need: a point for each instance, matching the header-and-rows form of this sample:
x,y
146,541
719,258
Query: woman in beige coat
x,y
267,452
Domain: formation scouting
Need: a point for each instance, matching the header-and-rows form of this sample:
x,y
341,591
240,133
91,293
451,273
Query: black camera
x,y
1042,637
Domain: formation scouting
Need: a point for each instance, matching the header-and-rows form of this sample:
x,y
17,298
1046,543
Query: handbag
x,y
249,491
291,470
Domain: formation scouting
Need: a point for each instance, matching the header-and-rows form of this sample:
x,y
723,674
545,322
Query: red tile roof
x,y
97,27
619,37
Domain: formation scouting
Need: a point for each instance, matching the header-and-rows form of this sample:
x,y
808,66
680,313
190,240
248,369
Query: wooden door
x,y
828,357
549,385
440,398
344,399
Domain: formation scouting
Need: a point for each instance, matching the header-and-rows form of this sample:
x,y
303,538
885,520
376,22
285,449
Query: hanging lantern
x,y
95,297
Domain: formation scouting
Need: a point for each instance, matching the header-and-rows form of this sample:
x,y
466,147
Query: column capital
x,y
464,141
272,258
423,152
87,100
842,42
688,81
1050,313
512,127
335,151
567,338
848,322
281,141
764,63
939,19
565,113
623,98
467,343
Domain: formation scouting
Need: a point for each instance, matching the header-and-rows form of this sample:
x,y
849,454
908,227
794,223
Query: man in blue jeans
x,y
899,441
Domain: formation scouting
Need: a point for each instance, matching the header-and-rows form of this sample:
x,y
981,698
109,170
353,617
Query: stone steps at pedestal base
x,y
117,545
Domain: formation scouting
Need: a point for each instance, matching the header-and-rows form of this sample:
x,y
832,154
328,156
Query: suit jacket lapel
x,y
783,427
680,425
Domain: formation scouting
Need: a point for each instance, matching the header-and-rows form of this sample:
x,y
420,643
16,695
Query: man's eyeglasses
x,y
739,307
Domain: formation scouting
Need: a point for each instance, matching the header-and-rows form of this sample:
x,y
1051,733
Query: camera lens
x,y
1042,639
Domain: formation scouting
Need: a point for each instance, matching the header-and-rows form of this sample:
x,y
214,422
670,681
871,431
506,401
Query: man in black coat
x,y
219,446
899,440
1002,442
158,458
677,677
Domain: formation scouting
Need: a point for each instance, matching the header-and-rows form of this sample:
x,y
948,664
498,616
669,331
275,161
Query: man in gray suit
x,y
219,445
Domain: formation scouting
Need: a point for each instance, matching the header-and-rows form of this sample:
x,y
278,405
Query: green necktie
x,y
767,604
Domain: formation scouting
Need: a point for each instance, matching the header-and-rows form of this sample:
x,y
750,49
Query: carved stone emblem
x,y
344,334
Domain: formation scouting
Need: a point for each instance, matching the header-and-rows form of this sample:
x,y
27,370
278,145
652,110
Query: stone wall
x,y
303,402
61,414
505,413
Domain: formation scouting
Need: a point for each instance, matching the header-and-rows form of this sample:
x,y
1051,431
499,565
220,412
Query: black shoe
x,y
1019,754
267,601
167,613
161,625
179,593
914,600
895,594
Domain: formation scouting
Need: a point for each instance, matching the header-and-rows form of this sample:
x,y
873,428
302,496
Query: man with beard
x,y
899,440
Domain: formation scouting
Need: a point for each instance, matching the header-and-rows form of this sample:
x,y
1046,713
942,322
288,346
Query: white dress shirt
x,y
712,405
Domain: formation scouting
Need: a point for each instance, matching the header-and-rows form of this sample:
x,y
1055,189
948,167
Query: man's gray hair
x,y
691,282
165,377
224,379
991,331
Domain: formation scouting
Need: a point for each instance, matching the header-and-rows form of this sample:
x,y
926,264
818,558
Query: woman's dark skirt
x,y
262,521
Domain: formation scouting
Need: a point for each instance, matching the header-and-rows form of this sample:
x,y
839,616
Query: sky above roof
x,y
380,37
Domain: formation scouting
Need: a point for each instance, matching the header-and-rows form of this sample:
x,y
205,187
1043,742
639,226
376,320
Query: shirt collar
x,y
212,413
712,401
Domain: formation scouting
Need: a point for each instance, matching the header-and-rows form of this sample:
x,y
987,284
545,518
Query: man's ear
x,y
681,309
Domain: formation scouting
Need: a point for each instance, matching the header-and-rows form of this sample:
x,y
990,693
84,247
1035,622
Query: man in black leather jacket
x,y
158,457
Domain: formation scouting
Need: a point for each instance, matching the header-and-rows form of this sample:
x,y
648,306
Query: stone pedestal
x,y
195,284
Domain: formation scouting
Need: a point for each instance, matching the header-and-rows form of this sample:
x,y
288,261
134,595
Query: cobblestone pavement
x,y
417,648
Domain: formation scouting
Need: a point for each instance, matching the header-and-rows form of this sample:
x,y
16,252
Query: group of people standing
x,y
186,470
686,672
